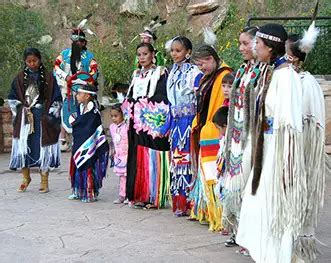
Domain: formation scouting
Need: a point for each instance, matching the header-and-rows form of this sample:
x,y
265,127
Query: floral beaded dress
x,y
146,109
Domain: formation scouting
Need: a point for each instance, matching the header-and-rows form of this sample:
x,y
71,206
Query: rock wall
x,y
6,129
326,86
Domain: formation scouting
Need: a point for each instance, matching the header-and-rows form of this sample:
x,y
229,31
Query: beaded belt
x,y
183,110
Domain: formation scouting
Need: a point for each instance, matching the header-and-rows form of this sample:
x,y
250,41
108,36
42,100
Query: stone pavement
x,y
49,228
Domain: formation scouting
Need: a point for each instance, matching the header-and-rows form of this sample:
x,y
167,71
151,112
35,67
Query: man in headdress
x,y
69,62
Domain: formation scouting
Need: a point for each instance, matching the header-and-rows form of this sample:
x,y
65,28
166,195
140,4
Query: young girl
x,y
90,147
205,136
35,101
119,133
181,86
227,82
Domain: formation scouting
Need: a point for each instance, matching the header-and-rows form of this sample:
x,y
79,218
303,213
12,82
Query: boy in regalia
x,y
90,148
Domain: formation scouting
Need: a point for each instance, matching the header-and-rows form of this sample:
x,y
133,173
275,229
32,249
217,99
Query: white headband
x,y
269,37
146,35
87,91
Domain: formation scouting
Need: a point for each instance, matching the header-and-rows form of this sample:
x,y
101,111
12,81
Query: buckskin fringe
x,y
20,145
289,189
50,157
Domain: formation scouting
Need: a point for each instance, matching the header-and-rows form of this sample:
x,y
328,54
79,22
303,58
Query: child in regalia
x,y
90,148
119,133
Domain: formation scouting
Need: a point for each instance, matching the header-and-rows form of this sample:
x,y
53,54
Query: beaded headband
x,y
269,37
144,34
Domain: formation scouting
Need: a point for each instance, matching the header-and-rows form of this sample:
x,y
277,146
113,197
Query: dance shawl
x,y
204,130
50,129
90,141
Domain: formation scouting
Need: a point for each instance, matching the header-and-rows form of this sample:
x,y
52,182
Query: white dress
x,y
314,154
269,219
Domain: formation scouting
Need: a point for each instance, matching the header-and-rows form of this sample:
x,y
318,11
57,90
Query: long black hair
x,y
294,41
278,48
42,80
76,51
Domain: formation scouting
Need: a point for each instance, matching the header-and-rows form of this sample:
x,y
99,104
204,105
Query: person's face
x,y
291,57
32,62
83,97
206,65
226,89
246,46
81,43
116,116
178,52
263,52
145,57
145,39
222,129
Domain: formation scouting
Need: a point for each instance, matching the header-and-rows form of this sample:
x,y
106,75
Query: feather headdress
x,y
79,31
150,29
154,25
308,40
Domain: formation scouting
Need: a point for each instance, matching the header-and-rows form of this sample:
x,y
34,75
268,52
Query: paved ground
x,y
49,228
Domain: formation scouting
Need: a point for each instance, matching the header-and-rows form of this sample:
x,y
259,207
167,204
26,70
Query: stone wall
x,y
326,87
6,129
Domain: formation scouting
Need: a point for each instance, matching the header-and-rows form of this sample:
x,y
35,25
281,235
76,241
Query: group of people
x,y
242,152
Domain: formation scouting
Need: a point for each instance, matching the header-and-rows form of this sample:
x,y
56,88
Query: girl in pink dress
x,y
119,134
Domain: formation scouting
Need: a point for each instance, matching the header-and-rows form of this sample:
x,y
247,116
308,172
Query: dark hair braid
x,y
25,77
42,82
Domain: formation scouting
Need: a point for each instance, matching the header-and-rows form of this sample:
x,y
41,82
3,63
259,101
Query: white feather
x,y
209,36
90,32
120,97
309,38
168,44
82,23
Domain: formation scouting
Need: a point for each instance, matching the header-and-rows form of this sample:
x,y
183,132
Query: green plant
x,y
19,29
227,45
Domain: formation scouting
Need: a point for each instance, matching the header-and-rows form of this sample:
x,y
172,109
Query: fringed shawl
x,y
283,107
